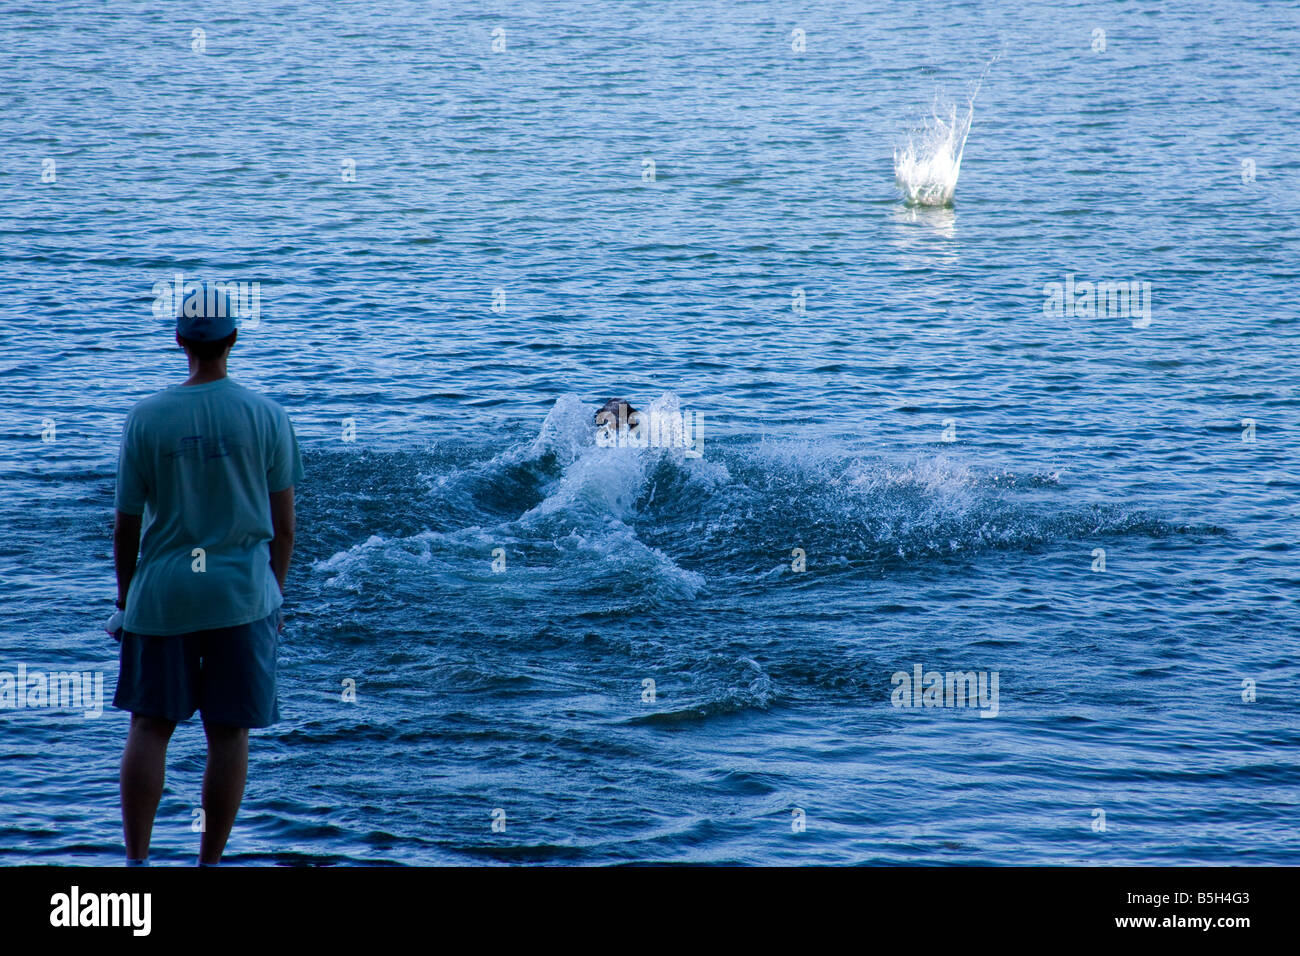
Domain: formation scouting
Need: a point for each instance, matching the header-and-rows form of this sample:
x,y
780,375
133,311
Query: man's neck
x,y
203,372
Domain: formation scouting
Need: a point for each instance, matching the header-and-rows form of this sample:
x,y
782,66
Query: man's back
x,y
199,461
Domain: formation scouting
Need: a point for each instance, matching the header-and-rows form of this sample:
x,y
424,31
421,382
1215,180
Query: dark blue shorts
x,y
227,674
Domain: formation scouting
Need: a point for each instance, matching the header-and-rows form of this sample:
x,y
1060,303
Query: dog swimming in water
x,y
616,416
619,425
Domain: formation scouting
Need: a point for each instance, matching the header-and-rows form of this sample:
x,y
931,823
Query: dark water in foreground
x,y
1119,690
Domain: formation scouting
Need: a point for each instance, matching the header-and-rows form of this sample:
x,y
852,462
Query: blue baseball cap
x,y
205,313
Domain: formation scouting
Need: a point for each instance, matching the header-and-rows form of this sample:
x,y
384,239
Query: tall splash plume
x,y
927,167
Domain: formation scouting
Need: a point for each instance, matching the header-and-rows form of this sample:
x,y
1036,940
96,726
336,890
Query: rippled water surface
x,y
825,430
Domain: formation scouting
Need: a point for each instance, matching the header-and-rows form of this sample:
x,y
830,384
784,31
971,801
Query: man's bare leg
x,y
144,767
223,786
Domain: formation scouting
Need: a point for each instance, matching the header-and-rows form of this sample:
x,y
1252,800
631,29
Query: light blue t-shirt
x,y
199,462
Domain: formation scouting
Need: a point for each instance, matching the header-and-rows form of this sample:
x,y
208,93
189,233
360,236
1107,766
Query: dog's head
x,y
615,413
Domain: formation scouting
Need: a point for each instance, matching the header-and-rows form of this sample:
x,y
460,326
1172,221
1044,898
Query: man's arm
x,y
126,551
283,523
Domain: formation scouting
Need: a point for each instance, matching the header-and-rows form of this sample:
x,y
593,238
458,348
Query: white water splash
x,y
926,169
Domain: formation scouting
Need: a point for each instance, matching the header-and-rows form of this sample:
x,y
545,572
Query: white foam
x,y
568,430
606,480
586,515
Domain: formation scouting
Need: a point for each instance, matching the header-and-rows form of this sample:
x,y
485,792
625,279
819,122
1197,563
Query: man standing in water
x,y
208,468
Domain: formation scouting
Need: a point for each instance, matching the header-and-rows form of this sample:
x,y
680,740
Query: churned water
x,y
985,451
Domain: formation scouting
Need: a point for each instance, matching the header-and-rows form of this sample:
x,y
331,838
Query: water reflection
x,y
941,220
923,236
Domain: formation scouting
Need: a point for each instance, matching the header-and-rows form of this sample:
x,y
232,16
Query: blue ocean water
x,y
946,454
